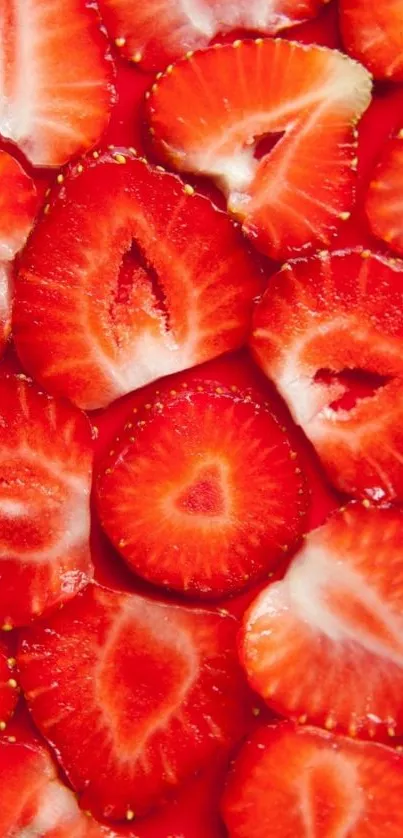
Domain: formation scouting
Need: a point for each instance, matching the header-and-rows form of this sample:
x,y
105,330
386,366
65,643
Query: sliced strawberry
x,y
8,685
128,278
291,782
372,32
158,32
45,482
329,332
267,93
202,491
384,203
135,695
34,802
18,206
325,644
6,271
54,103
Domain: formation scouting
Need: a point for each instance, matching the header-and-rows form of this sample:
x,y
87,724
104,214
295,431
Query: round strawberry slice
x,y
160,31
384,203
257,129
34,802
290,782
329,332
45,483
127,278
8,685
372,32
202,491
325,644
54,105
134,695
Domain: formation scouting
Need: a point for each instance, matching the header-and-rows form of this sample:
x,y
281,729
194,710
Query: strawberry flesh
x,y
8,685
18,206
340,314
158,32
129,277
34,802
384,204
135,695
54,104
45,482
325,643
290,198
202,491
372,32
293,781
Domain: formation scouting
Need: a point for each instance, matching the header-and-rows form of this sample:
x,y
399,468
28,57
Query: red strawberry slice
x,y
129,277
329,332
18,206
45,482
6,271
8,686
384,204
34,802
291,782
160,31
55,103
325,644
372,32
134,695
202,491
257,131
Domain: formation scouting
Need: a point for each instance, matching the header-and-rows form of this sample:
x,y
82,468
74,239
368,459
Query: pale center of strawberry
x,y
330,796
205,495
147,667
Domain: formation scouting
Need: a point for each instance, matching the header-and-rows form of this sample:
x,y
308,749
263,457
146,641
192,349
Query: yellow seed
x,y
130,815
136,57
46,209
189,54
80,168
237,43
3,725
391,732
11,662
366,503
7,627
12,683
11,739
95,155
120,158
352,730
400,134
60,178
345,216
120,42
169,69
302,719
293,455
188,189
330,723
365,254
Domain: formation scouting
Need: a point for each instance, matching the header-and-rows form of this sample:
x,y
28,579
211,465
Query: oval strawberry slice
x,y
34,802
127,278
45,483
257,131
202,491
384,204
160,31
50,107
325,644
289,781
134,694
329,332
372,32
8,685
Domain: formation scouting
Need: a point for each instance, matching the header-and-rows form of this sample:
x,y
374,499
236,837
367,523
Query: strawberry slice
x,y
54,104
160,31
177,283
202,491
18,206
34,802
6,272
257,131
329,333
325,644
291,782
372,32
134,695
384,204
8,685
45,482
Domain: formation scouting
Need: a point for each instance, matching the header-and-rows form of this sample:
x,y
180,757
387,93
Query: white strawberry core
x,y
341,778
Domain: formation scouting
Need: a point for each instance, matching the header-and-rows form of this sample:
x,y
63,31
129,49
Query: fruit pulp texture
x,y
194,813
